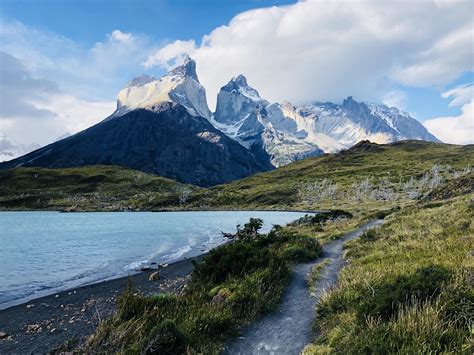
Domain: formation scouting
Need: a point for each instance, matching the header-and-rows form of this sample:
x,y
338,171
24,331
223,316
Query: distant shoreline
x,y
166,210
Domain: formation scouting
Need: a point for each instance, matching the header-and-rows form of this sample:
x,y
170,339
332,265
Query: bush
x,y
294,253
369,235
230,261
165,338
302,250
212,324
322,217
234,284
385,298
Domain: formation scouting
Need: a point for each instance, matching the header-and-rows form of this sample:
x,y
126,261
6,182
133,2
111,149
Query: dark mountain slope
x,y
167,141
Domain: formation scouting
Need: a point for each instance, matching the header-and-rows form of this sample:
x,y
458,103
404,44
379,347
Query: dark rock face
x,y
167,141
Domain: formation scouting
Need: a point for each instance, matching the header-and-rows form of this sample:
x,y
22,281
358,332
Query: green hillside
x,y
367,177
85,188
407,287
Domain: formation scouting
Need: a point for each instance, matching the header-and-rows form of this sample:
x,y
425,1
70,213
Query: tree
x,y
361,189
315,192
248,232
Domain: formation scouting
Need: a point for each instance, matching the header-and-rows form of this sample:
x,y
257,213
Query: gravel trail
x,y
288,330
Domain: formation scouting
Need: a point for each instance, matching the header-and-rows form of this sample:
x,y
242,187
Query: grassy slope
x,y
114,188
408,287
84,188
281,188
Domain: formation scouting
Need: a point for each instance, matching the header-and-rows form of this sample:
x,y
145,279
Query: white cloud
x,y
121,36
68,115
96,72
35,110
326,50
395,98
170,56
461,94
51,86
456,129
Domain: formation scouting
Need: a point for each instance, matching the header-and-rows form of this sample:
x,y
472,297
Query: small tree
x,y
250,230
315,192
384,191
412,189
361,189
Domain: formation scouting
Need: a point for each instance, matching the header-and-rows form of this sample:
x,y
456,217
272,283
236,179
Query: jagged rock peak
x,y
240,80
350,103
236,100
188,68
180,85
239,85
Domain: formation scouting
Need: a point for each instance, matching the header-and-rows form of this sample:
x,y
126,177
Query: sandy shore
x,y
68,317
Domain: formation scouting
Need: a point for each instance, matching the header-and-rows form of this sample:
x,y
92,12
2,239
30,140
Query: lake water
x,y
45,252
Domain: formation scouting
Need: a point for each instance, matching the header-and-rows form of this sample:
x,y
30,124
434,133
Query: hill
x,y
406,288
85,188
367,177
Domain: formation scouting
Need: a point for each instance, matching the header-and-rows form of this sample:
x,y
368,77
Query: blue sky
x,y
86,21
411,55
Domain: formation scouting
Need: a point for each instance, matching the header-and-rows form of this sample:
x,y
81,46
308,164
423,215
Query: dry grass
x,y
408,287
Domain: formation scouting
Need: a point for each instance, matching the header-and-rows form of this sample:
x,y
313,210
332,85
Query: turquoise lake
x,y
45,252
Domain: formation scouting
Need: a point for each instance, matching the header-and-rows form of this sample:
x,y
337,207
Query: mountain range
x,y
164,126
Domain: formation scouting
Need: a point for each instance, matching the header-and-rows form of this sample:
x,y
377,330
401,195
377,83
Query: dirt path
x,y
288,330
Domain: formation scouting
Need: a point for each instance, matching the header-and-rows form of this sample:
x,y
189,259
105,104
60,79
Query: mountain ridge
x,y
167,141
247,133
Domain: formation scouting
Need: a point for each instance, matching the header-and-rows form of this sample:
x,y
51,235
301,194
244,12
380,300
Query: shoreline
x,y
166,210
152,266
48,322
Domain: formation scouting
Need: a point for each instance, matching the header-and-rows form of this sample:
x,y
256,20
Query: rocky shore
x,y
63,321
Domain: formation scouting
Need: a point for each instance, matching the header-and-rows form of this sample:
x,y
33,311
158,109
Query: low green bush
x,y
322,217
164,338
234,284
385,298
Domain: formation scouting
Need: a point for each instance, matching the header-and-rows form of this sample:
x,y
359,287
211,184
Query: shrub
x,y
249,230
322,217
384,298
165,338
302,249
233,285
369,235
294,253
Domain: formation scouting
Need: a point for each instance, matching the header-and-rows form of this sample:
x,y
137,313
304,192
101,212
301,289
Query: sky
x,y
62,63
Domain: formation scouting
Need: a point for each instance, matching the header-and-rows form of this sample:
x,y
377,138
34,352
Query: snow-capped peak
x,y
141,80
187,69
240,80
236,100
238,85
180,85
